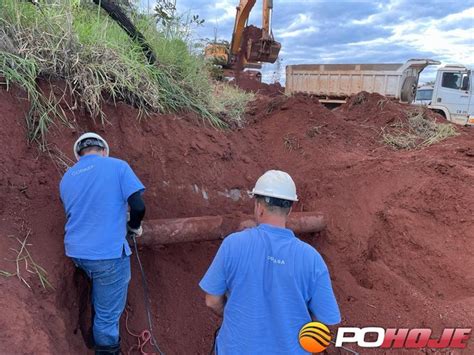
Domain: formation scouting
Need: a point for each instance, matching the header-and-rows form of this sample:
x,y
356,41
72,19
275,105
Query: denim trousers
x,y
110,279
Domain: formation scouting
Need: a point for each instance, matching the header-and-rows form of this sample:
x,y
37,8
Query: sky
x,y
356,31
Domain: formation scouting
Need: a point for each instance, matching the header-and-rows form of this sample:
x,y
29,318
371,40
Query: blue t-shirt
x,y
274,282
94,193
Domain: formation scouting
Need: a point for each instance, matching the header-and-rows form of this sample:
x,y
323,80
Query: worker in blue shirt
x,y
96,193
267,283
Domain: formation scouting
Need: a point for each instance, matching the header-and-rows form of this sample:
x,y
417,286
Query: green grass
x,y
231,103
75,41
23,72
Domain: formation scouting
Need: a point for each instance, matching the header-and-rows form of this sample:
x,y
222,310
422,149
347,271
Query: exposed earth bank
x,y
399,242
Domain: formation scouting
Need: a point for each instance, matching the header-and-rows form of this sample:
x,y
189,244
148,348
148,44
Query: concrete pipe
x,y
194,229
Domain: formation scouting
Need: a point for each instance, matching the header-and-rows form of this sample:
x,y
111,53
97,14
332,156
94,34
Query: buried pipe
x,y
194,229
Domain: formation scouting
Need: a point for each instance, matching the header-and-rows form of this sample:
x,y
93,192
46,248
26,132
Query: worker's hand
x,y
137,232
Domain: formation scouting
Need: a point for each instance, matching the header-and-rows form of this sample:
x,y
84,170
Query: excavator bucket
x,y
262,50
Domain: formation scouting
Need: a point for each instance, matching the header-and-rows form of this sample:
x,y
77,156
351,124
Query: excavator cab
x,y
217,52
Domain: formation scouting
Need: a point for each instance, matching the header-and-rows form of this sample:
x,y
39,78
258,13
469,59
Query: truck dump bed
x,y
338,81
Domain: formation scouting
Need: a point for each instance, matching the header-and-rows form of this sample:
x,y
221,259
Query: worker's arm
x,y
137,209
323,304
216,303
214,282
132,190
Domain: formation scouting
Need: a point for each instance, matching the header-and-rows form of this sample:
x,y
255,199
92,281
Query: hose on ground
x,y
153,341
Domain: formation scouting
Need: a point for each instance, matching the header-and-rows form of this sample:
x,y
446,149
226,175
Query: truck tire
x,y
408,89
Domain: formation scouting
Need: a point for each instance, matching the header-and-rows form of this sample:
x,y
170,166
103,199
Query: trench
x,y
181,321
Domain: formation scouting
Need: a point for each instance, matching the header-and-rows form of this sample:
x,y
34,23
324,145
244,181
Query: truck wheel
x,y
440,112
408,89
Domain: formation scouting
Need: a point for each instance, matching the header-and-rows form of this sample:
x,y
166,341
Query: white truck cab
x,y
453,94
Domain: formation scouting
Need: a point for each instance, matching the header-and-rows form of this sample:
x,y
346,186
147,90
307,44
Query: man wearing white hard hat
x,y
96,193
267,283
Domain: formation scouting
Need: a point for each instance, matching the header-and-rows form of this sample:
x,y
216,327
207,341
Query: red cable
x,y
143,338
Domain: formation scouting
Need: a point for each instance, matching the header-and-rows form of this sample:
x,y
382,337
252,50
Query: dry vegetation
x,y
417,132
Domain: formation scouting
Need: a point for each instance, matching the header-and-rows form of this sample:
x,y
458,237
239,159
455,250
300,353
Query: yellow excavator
x,y
250,46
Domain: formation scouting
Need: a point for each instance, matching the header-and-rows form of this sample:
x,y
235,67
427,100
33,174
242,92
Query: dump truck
x,y
453,94
335,82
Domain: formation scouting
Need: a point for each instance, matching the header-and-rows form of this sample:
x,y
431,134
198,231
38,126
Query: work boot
x,y
107,350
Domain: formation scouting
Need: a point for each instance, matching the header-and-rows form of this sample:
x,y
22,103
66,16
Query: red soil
x,y
257,87
399,242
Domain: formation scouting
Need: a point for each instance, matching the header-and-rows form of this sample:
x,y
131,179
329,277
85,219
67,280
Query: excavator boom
x,y
250,46
243,13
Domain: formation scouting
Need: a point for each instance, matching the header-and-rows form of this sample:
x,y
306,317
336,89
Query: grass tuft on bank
x,y
77,42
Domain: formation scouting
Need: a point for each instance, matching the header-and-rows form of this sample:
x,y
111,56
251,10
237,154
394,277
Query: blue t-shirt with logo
x,y
274,282
94,193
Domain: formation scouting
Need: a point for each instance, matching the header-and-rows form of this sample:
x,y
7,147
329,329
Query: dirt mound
x,y
255,86
364,107
399,240
379,110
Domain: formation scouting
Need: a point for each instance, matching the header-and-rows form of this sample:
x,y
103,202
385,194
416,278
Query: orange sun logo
x,y
314,337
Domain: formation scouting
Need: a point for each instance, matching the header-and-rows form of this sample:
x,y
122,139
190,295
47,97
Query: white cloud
x,y
367,21
222,10
467,14
297,33
301,20
452,45
302,25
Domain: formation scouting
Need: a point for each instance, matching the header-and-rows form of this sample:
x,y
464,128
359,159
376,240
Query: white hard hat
x,y
276,183
85,136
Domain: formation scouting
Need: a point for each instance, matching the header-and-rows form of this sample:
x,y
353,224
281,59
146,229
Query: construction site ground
x,y
400,223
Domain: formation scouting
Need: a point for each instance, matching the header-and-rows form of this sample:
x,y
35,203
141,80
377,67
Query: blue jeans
x,y
110,280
